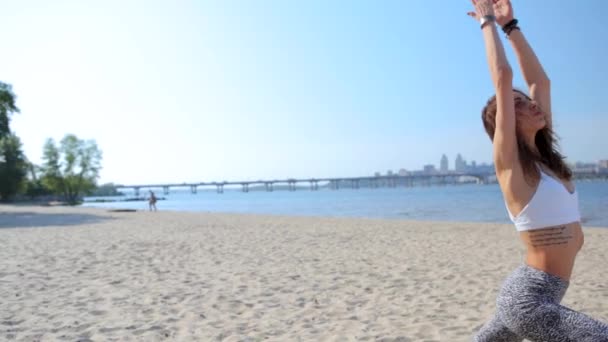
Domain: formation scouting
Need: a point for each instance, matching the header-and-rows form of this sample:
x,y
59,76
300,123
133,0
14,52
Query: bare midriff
x,y
553,249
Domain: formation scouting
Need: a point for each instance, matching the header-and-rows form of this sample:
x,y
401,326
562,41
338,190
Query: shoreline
x,y
103,210
86,273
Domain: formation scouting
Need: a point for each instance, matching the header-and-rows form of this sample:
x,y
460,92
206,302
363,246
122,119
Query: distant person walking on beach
x,y
152,201
538,192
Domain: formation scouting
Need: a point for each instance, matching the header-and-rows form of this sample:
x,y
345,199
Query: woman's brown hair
x,y
545,140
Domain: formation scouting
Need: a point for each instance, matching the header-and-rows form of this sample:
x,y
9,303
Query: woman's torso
x,y
553,248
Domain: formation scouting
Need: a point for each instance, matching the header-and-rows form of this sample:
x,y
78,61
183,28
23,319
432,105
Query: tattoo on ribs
x,y
553,236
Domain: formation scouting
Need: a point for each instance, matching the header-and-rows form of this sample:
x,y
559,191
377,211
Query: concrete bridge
x,y
390,181
332,183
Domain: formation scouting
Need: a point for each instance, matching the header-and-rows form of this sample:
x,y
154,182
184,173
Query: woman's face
x,y
530,118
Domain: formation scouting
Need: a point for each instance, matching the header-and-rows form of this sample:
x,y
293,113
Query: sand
x,y
92,275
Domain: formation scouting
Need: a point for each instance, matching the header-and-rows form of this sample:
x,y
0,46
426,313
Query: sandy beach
x,y
92,275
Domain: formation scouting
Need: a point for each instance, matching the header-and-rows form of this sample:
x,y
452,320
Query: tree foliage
x,y
72,168
13,163
7,107
108,189
13,167
33,186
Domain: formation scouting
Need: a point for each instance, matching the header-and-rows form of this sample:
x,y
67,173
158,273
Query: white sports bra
x,y
551,205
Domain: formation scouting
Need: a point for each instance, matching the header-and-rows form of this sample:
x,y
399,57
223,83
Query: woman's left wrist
x,y
509,26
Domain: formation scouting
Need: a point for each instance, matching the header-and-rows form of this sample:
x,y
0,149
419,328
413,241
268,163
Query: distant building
x,y
460,165
482,168
603,164
585,167
377,174
444,164
403,172
429,168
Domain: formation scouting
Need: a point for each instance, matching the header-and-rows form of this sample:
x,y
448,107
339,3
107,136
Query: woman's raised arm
x,y
505,140
537,80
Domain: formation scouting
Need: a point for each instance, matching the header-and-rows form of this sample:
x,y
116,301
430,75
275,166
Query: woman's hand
x,y
501,9
482,9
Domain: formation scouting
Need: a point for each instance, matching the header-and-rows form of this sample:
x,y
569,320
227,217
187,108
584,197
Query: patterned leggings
x,y
528,307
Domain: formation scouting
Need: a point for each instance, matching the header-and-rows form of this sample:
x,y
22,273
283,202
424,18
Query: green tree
x,y
72,168
13,167
7,107
12,160
108,189
34,187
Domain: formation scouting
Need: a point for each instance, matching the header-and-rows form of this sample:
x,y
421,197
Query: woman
x,y
539,195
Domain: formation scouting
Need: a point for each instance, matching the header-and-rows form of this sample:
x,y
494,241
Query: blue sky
x,y
186,91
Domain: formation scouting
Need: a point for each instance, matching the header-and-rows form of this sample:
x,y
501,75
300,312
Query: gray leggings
x,y
528,307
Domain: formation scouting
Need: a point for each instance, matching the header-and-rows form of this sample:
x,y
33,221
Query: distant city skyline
x,y
461,164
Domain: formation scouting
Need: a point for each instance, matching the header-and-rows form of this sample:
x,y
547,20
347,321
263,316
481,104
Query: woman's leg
x,y
496,330
554,322
529,306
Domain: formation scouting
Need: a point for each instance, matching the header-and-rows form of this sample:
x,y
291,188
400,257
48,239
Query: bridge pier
x,y
268,186
292,185
192,189
220,188
245,187
136,191
335,184
314,185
